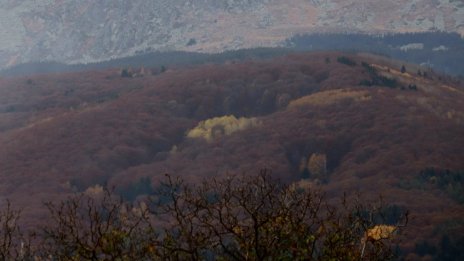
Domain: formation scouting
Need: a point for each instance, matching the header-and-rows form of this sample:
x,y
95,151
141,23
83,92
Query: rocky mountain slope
x,y
74,31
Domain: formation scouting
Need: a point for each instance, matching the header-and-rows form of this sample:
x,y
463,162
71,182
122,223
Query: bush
x,y
126,73
377,79
345,60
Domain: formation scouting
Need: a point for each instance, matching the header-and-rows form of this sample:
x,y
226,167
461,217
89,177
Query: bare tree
x,y
96,227
233,218
13,244
9,233
259,218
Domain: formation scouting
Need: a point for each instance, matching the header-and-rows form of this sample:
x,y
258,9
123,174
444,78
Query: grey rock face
x,y
75,31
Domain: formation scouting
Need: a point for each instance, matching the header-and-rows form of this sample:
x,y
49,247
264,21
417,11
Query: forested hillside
x,y
338,122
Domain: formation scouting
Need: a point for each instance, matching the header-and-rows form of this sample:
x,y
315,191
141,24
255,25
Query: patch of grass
x,y
330,97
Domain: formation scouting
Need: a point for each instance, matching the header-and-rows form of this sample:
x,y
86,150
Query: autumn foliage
x,y
310,120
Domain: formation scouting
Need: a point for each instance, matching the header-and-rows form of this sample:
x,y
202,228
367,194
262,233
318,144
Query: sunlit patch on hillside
x,y
221,126
330,97
439,108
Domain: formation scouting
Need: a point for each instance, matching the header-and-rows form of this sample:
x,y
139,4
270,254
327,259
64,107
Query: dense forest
x,y
148,59
339,123
440,51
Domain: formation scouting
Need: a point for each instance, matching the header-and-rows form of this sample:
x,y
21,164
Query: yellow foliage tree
x,y
221,126
317,165
377,233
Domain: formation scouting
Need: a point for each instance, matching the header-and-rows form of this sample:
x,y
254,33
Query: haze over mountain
x,y
76,31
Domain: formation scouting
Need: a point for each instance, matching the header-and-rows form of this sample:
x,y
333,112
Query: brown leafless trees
x,y
258,218
96,227
14,245
234,218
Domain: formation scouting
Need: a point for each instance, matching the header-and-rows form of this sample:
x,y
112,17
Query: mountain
x,y
82,31
336,122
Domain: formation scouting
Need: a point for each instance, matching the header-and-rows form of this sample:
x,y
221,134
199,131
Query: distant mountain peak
x,y
76,31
